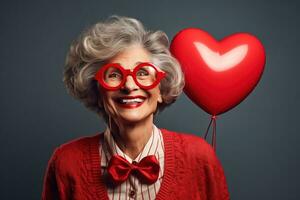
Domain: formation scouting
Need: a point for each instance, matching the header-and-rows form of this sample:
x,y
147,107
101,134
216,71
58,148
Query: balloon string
x,y
206,133
214,138
212,122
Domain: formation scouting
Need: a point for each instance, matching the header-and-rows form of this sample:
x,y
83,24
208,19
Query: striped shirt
x,y
132,188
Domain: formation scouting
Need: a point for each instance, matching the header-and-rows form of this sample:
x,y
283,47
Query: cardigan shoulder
x,y
194,146
79,144
68,157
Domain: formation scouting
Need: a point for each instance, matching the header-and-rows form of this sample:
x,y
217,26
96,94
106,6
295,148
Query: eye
x,y
114,75
142,72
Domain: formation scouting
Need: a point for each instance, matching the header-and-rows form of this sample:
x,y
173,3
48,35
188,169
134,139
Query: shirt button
x,y
134,162
132,194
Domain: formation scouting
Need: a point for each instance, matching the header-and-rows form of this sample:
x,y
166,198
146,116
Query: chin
x,y
134,117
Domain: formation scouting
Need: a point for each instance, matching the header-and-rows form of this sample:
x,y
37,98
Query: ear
x,y
159,99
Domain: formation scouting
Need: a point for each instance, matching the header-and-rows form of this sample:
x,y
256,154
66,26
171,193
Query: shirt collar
x,y
110,147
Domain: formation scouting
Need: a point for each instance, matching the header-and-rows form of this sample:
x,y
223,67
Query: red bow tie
x,y
146,170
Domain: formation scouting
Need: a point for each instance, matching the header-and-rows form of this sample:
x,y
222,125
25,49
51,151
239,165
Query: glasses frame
x,y
128,72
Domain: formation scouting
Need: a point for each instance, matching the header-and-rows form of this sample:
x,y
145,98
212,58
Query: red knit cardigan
x,y
192,170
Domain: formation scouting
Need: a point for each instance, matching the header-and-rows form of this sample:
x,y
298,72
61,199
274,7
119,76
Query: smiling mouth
x,y
130,102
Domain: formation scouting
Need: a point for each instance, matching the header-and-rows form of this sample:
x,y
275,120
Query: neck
x,y
132,137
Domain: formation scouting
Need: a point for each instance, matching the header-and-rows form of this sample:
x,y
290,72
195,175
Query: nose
x,y
130,84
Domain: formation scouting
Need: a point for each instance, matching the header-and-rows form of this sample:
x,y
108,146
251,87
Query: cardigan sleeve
x,y
54,186
216,185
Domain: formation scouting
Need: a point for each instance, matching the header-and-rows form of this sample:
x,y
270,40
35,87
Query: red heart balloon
x,y
219,74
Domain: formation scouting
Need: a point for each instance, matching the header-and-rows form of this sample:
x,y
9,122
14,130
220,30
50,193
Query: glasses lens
x,y
113,76
146,75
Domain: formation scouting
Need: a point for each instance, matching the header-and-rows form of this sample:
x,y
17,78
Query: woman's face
x,y
131,104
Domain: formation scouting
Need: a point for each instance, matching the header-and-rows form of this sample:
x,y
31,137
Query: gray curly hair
x,y
103,41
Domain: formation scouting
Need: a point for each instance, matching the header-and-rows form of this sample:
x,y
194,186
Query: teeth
x,y
136,100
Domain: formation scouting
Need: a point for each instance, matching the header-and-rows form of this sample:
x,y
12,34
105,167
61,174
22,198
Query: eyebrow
x,y
138,62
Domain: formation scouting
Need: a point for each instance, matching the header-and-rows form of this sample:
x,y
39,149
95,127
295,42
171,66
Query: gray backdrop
x,y
258,141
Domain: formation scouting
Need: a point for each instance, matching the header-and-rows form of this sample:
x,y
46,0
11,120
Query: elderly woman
x,y
127,75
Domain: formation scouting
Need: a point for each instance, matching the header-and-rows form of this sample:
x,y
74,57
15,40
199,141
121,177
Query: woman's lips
x,y
130,101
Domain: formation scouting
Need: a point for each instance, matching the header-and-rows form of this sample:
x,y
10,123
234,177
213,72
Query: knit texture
x,y
192,170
